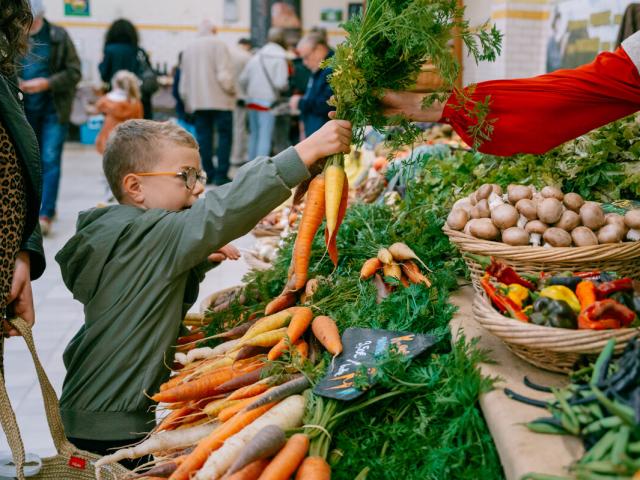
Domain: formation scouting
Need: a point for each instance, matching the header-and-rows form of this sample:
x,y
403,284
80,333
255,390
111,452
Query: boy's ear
x,y
132,188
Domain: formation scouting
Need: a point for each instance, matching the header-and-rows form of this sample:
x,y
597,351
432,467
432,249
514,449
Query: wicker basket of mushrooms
x,y
545,230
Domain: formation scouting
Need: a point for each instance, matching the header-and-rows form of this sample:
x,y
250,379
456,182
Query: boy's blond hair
x,y
133,147
128,82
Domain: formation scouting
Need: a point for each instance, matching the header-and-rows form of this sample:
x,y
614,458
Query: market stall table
x,y
521,451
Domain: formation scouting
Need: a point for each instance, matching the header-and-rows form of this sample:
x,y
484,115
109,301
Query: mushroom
x,y
632,220
592,215
522,221
584,237
457,219
515,236
535,229
484,191
557,237
549,210
552,192
495,200
504,216
464,204
497,189
484,228
518,192
573,201
611,233
481,210
527,207
568,221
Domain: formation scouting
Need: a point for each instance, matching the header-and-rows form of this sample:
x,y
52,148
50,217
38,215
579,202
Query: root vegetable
x,y
556,237
286,415
516,193
584,237
299,323
515,236
196,389
233,407
401,252
240,381
314,468
285,463
414,274
573,201
528,208
297,384
249,351
393,270
267,339
251,471
370,267
326,331
549,210
311,287
382,291
568,221
331,239
385,256
457,219
279,303
505,216
158,442
592,216
238,331
266,443
334,180
552,192
251,390
485,229
267,324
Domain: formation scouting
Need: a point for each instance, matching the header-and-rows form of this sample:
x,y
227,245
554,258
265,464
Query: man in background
x,y
49,74
240,56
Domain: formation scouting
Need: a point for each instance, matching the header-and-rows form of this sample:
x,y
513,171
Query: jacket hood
x,y
84,256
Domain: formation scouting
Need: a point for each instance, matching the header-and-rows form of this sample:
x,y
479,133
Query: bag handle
x,y
51,407
276,92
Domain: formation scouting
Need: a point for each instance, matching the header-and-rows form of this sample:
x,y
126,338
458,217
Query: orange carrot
x,y
228,412
190,338
214,440
333,193
251,471
280,303
299,323
309,224
404,281
331,239
250,390
175,418
413,273
314,468
287,460
302,348
370,267
326,331
204,386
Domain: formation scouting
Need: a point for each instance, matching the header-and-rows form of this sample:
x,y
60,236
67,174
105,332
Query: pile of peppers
x,y
582,300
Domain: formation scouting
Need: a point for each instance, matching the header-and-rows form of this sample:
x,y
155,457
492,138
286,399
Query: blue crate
x,y
89,131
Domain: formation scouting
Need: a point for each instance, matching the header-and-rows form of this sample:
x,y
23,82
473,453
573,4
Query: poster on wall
x,y
580,29
76,8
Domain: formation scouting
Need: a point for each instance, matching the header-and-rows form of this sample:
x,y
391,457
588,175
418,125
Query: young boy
x,y
136,266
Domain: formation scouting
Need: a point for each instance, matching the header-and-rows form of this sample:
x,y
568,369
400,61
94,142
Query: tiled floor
x,y
58,316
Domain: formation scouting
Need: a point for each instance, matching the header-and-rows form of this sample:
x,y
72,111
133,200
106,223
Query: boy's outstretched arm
x,y
232,210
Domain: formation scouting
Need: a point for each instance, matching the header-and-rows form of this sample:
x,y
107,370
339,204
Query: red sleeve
x,y
534,115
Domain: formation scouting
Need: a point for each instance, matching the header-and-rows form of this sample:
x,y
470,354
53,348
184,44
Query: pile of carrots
x,y
396,262
219,402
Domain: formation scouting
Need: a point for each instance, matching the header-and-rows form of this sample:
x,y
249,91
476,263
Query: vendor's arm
x,y
534,115
232,210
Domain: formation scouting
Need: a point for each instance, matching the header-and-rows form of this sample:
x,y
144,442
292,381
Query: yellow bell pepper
x,y
518,294
560,292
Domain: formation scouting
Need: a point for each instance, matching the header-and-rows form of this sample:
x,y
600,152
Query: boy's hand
x,y
228,252
333,137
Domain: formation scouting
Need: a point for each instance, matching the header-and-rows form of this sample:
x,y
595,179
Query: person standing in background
x,y
240,56
313,106
122,103
207,88
122,52
49,74
264,79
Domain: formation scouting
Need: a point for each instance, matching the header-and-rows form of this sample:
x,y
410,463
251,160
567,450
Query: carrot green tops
x,y
137,273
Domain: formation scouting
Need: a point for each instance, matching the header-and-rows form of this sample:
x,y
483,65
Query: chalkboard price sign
x,y
362,350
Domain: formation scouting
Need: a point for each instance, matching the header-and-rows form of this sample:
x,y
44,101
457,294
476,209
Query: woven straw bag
x,y
69,463
623,258
554,349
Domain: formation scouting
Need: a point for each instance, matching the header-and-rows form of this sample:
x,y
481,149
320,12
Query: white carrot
x,y
286,415
158,442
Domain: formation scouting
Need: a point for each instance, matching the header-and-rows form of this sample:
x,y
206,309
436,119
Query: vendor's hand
x,y
294,102
21,296
35,85
333,137
228,252
409,104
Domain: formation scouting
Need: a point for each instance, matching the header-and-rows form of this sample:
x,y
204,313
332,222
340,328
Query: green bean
x,y
602,363
625,413
604,423
620,445
601,448
539,427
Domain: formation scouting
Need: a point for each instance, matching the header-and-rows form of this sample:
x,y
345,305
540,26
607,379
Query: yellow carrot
x,y
334,180
267,339
266,324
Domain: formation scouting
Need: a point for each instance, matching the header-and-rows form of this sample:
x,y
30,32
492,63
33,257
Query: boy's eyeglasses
x,y
189,175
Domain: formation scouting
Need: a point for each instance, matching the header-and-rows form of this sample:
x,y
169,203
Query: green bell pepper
x,y
553,313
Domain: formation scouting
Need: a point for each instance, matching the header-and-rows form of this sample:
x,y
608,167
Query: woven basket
x,y
554,349
622,258
69,463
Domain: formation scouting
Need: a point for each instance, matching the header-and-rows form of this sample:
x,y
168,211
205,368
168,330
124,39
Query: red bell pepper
x,y
507,275
607,288
606,314
503,303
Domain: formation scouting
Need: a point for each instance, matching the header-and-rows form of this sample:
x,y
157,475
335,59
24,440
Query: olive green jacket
x,y
137,273
26,145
